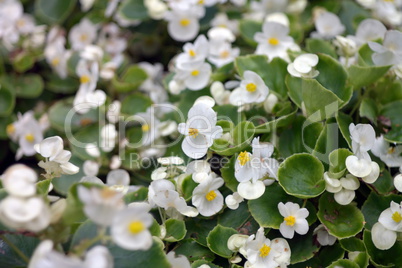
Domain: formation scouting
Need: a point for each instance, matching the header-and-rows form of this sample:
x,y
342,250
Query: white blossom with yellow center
x,y
294,219
206,196
391,218
252,90
183,24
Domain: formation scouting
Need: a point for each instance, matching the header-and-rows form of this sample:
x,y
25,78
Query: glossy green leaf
x,y
133,10
303,247
344,263
227,173
26,244
54,11
368,108
301,175
218,238
320,46
361,76
352,244
7,100
194,251
344,121
89,134
135,103
341,221
337,159
248,28
384,184
175,230
138,196
131,79
198,229
386,258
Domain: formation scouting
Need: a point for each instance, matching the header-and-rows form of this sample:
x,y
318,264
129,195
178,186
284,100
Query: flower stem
x,y
15,248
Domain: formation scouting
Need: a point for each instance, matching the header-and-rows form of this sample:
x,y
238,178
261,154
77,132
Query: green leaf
x,y
365,54
227,173
23,62
135,103
352,244
303,247
8,256
273,73
4,122
393,111
42,187
337,158
394,135
344,264
360,258
194,251
58,85
62,117
131,79
375,205
281,121
74,210
235,218
64,182
361,76
218,238
187,187
25,86
248,28
320,46
137,196
7,100
344,121
368,108
389,258
301,175
198,229
341,221
133,10
384,184
175,230
54,11
86,135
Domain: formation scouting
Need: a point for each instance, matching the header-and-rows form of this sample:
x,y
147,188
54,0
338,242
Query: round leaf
x,y
218,238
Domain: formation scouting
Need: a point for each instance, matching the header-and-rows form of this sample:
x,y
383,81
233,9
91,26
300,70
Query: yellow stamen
x,y
290,220
251,87
195,73
30,137
210,196
243,158
10,129
273,41
83,37
145,128
85,79
264,251
55,61
397,217
391,150
200,2
224,54
107,193
193,132
191,53
185,22
136,227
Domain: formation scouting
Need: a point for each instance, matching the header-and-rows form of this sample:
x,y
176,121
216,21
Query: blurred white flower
x,y
206,196
303,66
345,46
82,34
328,25
368,30
19,180
294,219
129,229
183,24
200,130
222,53
200,170
194,75
398,182
323,237
390,155
218,92
252,90
179,261
391,218
390,52
193,52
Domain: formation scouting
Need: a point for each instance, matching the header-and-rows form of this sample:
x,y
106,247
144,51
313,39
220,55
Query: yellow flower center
x,y
10,129
397,217
83,37
85,79
195,73
55,61
107,193
264,251
290,220
21,23
145,128
191,52
243,158
389,1
30,137
273,41
210,196
200,2
391,150
136,227
185,22
193,132
251,87
224,54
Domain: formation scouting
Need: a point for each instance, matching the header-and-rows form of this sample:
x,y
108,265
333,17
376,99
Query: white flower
x,y
323,237
88,74
57,159
82,34
92,150
156,8
119,180
222,53
194,75
86,4
45,257
264,253
294,219
178,262
113,112
398,182
108,135
199,169
163,194
251,190
388,12
222,20
346,47
278,17
111,7
347,193
382,237
274,40
358,167
236,242
391,218
218,92
200,130
57,57
366,3
390,52
252,90
90,168
363,138
19,180
31,213
303,66
100,205
194,53
368,30
206,197
98,256
129,229
328,25
233,201
390,155
270,102
374,174
183,24
221,34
